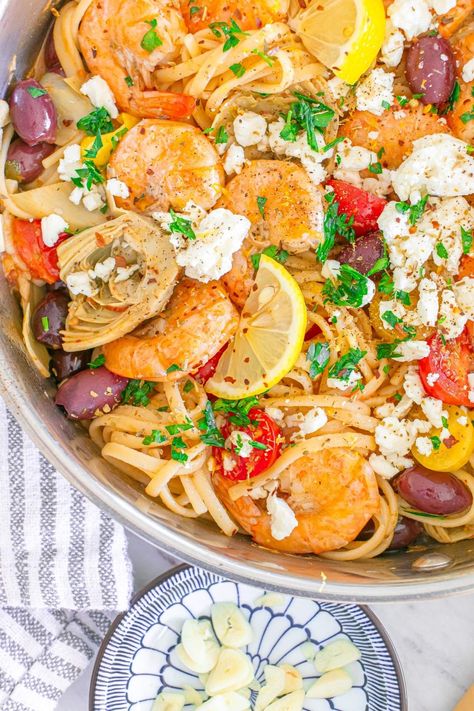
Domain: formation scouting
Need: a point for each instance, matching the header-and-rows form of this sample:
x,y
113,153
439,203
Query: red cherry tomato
x,y
262,429
42,261
312,332
363,206
207,370
452,361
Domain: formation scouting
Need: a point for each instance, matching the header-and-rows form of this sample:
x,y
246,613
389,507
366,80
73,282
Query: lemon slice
x,y
345,35
269,338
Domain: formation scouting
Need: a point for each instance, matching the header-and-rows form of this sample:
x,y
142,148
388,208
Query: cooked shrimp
x,y
464,130
333,494
197,323
248,14
166,164
285,210
394,134
452,20
111,39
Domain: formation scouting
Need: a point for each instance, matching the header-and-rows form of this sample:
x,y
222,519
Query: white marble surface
x,y
434,642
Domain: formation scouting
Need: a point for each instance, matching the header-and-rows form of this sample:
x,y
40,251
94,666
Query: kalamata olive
x,y
24,162
33,113
432,492
51,58
406,531
363,253
64,364
49,318
90,393
431,69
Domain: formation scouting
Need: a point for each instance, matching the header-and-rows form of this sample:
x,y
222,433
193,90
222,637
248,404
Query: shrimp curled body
x,y
197,323
333,494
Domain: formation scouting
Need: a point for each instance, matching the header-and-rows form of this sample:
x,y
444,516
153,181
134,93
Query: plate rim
x,y
160,579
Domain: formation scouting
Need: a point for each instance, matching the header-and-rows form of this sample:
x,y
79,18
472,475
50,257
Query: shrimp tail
x,y
162,104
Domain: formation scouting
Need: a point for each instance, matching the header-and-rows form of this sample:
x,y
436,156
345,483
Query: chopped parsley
x,y
389,350
466,239
444,422
381,264
89,175
222,136
179,427
231,32
97,121
318,355
391,318
454,97
237,409
385,104
237,69
178,444
128,80
347,364
181,225
334,224
266,58
375,168
441,250
151,39
351,289
306,114
36,91
414,211
137,392
97,362
210,433
468,115
402,100
156,437
194,10
279,255
173,368
261,202
45,323
436,442
188,386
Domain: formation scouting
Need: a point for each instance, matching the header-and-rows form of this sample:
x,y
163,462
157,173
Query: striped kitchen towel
x,y
64,573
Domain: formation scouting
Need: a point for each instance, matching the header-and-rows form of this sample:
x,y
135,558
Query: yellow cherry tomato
x,y
109,140
450,459
381,326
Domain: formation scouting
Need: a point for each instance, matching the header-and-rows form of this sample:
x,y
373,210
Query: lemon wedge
x,y
269,338
345,35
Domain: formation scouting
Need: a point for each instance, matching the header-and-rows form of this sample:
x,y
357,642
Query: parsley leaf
x,y
36,91
279,255
156,437
346,365
266,58
466,239
351,289
441,250
89,175
335,223
454,98
415,211
222,136
97,121
97,362
137,391
436,442
173,368
188,386
231,31
389,350
261,201
391,318
468,115
318,355
375,168
181,225
151,39
179,427
237,69
306,114
237,409
211,435
129,81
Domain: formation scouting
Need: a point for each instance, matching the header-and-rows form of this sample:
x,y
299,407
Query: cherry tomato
x,y
207,370
42,261
262,429
312,332
453,453
466,268
452,361
363,206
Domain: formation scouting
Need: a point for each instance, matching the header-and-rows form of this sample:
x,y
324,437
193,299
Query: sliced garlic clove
x,y
200,645
333,683
336,655
169,701
192,696
195,665
290,702
275,683
293,679
230,625
232,671
230,701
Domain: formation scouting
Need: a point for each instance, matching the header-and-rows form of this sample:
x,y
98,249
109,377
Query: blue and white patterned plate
x,y
138,657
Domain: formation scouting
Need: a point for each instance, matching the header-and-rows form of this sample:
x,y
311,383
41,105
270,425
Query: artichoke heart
x,y
126,271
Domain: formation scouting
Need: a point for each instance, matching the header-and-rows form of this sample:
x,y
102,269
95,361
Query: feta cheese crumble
x,y
411,16
220,234
249,129
375,90
117,188
439,165
392,48
427,306
412,350
100,95
234,159
80,283
282,517
307,423
310,160
468,71
51,228
240,442
452,318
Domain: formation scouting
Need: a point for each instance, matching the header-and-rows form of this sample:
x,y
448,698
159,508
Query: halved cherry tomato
x,y
452,360
42,261
312,332
363,206
262,429
466,268
207,370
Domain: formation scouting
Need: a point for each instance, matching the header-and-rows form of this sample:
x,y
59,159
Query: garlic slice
x,y
333,683
275,683
230,625
336,655
290,702
200,649
293,679
168,701
232,672
226,702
